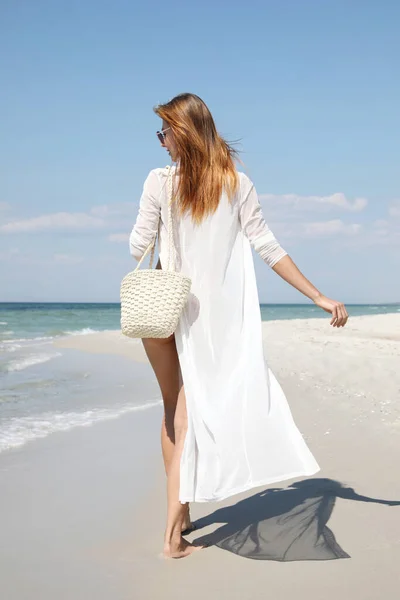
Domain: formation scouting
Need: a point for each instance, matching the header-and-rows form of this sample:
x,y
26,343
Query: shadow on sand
x,y
283,524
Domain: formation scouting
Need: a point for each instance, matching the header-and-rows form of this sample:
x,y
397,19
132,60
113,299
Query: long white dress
x,y
241,433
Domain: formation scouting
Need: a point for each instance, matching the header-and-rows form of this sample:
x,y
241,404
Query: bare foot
x,y
187,524
180,549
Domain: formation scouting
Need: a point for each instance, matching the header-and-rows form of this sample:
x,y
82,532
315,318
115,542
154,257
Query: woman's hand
x,y
337,310
286,268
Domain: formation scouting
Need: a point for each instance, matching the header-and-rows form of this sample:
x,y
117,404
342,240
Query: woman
x,y
227,426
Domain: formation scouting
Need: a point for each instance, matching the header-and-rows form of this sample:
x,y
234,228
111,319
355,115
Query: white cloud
x,y
300,203
52,222
9,254
67,259
15,256
336,226
381,227
381,232
113,210
118,237
394,208
290,232
98,217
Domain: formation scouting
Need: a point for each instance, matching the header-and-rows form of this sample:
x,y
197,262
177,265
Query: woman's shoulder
x,y
161,172
156,178
245,183
243,177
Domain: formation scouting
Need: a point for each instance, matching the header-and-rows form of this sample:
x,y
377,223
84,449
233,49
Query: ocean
x,y
44,389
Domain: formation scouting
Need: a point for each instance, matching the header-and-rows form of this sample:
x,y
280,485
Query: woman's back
x,y
204,248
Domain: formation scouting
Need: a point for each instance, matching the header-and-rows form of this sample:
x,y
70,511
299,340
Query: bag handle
x,y
152,245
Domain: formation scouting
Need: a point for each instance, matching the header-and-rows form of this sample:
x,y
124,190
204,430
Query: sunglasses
x,y
161,134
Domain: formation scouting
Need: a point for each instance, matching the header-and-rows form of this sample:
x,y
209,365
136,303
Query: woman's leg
x,y
175,546
164,360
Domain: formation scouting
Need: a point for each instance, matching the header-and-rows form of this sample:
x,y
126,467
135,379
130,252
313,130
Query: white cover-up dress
x,y
241,433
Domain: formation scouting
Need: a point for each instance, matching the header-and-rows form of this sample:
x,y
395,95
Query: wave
x,y
3,323
30,361
9,347
21,430
32,339
85,331
53,335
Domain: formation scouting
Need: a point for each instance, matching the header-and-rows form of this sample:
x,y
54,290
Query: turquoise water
x,y
44,389
19,321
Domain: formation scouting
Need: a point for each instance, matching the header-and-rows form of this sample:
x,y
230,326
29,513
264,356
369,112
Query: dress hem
x,y
249,486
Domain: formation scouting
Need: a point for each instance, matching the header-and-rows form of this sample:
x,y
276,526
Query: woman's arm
x,y
146,226
265,243
288,270
255,228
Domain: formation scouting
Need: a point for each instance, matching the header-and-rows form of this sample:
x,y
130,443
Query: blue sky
x,y
311,88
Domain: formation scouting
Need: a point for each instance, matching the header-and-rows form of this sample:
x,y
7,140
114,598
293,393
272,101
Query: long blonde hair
x,y
206,160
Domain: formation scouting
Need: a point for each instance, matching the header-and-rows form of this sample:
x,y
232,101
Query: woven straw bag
x,y
152,299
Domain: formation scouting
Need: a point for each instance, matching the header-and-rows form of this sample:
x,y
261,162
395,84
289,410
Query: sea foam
x,y
29,361
20,430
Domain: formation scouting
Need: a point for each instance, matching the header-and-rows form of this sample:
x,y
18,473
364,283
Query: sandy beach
x,y
82,512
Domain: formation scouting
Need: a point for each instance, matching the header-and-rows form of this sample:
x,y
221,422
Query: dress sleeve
x,y
254,226
147,220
